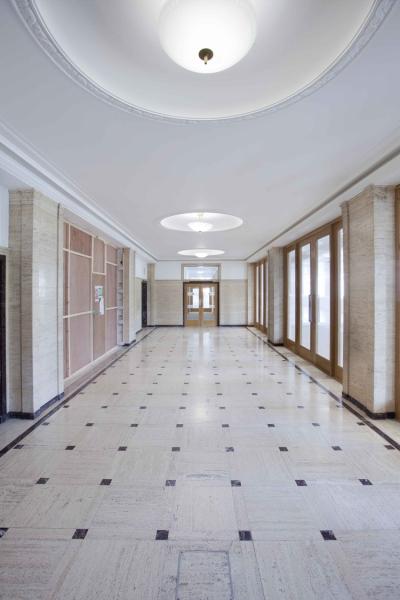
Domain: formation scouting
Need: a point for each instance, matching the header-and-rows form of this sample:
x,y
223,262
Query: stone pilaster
x,y
35,302
250,294
129,332
275,295
369,320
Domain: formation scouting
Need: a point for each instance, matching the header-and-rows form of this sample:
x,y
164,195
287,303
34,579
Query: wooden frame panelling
x,y
330,365
88,335
260,271
201,285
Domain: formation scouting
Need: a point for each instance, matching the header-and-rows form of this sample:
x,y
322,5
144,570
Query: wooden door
x,y
200,304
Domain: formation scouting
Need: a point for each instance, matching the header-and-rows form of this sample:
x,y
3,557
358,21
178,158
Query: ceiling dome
x,y
113,50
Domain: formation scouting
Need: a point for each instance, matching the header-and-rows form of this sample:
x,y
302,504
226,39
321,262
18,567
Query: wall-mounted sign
x,y
99,298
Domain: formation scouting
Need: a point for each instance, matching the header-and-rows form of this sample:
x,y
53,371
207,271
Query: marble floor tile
x,y
201,465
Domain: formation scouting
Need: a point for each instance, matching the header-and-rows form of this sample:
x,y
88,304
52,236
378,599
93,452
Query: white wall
x,y
171,270
4,210
140,267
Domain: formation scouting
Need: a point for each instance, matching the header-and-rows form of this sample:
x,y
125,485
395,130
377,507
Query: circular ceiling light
x,y
207,36
201,252
201,222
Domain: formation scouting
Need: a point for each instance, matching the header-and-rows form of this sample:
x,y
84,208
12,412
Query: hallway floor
x,y
204,466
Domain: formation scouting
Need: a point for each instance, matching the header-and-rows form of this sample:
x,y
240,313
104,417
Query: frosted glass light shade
x,y
200,226
226,27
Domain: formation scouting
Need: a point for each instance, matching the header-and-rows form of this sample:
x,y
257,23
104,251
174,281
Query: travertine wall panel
x,y
275,295
369,266
167,303
138,304
233,302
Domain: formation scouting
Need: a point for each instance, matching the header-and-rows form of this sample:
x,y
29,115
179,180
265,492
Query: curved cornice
x,y
32,19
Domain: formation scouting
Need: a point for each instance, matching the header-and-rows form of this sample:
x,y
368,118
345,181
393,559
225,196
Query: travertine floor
x,y
200,466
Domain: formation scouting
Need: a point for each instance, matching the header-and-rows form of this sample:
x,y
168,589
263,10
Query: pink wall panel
x,y
98,256
80,241
111,329
80,342
80,284
111,286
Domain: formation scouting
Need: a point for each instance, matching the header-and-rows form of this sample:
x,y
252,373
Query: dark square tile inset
x,y
271,425
18,446
42,480
245,535
3,531
170,482
143,407
336,448
222,407
328,534
105,482
365,482
134,424
316,424
80,534
179,424
115,393
89,424
182,408
162,534
229,449
122,448
175,449
389,447
301,483
225,425
261,407
69,447
104,407
361,424
283,449
236,483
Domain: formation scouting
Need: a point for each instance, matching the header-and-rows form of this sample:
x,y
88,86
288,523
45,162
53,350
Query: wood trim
x,y
201,285
260,282
3,333
397,350
329,366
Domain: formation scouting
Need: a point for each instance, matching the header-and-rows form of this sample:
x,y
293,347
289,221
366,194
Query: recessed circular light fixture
x,y
201,252
207,36
200,222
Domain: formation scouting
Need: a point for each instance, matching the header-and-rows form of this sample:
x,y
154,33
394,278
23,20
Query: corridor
x,y
200,465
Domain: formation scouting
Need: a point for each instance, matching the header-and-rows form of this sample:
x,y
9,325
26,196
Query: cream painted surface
x,y
172,270
369,326
140,266
4,216
129,297
35,302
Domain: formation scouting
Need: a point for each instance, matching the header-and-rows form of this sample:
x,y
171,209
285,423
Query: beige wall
x,y
138,304
233,302
34,302
167,302
369,328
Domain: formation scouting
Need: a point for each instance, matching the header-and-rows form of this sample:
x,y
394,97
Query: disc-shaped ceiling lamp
x,y
207,36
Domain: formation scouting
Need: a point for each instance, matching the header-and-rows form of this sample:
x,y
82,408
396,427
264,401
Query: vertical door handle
x,y
310,308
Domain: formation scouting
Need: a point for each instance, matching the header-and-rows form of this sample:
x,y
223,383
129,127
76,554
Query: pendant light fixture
x,y
207,36
200,226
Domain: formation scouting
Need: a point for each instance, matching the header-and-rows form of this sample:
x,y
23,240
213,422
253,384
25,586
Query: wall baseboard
x,y
38,412
370,414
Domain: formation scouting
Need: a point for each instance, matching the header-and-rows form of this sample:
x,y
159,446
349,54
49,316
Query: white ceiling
x,y
269,170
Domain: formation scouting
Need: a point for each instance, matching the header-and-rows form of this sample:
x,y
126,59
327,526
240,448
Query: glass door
x,y
323,301
201,304
306,301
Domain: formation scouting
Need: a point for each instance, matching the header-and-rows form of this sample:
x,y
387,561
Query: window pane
x,y
340,299
291,284
200,273
305,295
324,297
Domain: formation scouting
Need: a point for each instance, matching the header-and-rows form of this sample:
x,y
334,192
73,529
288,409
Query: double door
x,y
201,304
314,298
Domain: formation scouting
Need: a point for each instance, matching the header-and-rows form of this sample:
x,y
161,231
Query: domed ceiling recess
x,y
133,54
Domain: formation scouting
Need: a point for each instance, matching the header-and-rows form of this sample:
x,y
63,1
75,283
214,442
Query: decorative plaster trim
x,y
31,17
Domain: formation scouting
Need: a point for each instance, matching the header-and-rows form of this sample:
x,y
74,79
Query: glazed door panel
x,y
200,304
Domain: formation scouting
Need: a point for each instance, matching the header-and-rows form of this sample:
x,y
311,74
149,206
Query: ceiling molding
x,y
394,154
39,174
30,15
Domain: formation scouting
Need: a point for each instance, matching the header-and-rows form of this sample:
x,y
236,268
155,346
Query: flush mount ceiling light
x,y
207,36
201,252
200,222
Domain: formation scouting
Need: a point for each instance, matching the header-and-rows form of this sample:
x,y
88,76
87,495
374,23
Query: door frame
x,y
328,366
209,283
3,333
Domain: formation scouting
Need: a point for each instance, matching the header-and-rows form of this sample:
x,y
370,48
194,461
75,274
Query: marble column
x,y
275,295
35,303
128,329
250,294
369,319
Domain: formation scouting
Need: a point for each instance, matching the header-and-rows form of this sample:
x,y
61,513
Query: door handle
x,y
310,308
